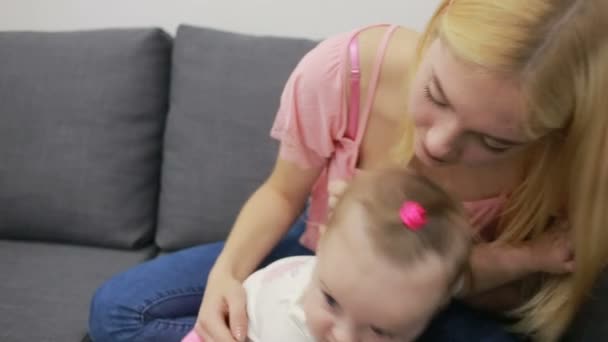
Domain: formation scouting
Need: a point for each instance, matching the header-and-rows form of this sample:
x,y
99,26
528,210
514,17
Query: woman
x,y
501,102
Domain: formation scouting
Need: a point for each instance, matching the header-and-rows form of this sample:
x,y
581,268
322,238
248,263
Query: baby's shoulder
x,y
273,293
280,280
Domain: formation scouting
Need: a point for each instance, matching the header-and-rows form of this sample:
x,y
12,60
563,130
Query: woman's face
x,y
463,114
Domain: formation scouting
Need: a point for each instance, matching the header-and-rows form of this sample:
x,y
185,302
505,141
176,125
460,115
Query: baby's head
x,y
377,279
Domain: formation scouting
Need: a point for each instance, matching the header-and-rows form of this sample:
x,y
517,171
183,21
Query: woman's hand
x,y
552,251
223,313
263,220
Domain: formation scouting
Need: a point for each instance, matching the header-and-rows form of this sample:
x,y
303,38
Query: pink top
x,y
312,124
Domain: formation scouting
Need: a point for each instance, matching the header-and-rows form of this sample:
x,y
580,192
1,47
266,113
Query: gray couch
x,y
118,145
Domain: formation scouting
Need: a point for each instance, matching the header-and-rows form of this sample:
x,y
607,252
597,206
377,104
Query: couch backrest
x,y
81,123
225,92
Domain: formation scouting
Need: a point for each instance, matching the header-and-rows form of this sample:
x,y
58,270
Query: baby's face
x,y
355,295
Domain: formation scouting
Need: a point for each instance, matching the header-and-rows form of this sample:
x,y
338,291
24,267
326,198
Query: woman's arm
x,y
266,217
495,266
263,220
308,125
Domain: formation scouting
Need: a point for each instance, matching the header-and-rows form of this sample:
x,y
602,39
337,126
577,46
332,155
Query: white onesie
x,y
273,295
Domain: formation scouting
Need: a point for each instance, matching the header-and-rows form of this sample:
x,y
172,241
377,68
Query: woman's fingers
x,y
237,313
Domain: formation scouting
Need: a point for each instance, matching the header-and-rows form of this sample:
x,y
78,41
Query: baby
x,y
392,255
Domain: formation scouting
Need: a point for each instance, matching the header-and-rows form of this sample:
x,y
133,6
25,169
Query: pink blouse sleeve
x,y
310,118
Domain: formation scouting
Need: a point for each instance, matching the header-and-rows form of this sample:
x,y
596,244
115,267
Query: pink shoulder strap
x,y
355,89
355,80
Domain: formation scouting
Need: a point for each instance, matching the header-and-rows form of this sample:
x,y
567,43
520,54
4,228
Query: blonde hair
x,y
381,194
558,50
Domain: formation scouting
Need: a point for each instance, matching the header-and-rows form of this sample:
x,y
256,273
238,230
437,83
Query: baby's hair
x,y
382,193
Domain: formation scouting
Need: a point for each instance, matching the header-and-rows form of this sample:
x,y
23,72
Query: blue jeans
x,y
460,323
159,300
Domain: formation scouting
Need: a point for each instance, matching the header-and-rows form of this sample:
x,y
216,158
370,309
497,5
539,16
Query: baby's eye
x,y
382,333
330,300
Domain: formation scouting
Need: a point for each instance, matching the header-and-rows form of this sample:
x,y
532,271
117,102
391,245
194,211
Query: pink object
x,y
317,127
413,215
355,89
314,124
192,337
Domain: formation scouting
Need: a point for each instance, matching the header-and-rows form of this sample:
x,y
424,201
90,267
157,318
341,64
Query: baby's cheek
x,y
416,328
318,319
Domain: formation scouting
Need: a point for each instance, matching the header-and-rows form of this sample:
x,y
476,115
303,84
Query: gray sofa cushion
x,y
224,94
46,289
81,121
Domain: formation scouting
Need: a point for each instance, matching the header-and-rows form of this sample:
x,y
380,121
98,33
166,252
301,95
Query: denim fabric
x,y
159,300
460,323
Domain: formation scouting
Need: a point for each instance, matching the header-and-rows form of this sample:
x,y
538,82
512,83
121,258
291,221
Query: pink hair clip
x,y
413,215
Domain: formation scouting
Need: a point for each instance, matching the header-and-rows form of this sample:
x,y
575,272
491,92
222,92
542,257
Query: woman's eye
x,y
494,146
432,99
330,300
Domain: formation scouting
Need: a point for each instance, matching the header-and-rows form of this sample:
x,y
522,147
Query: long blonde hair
x,y
559,51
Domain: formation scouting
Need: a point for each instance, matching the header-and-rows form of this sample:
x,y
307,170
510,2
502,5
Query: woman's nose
x,y
441,141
